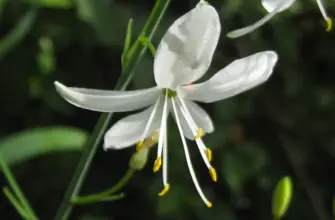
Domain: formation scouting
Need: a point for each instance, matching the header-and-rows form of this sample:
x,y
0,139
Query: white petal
x,y
186,50
200,117
108,101
273,7
129,130
237,77
270,5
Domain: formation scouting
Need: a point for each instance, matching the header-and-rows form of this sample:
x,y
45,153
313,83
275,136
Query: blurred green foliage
x,y
284,127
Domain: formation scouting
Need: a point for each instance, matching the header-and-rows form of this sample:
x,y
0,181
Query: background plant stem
x,y
91,147
16,189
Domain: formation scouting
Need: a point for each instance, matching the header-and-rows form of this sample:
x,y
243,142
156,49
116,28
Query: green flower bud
x,y
282,196
139,159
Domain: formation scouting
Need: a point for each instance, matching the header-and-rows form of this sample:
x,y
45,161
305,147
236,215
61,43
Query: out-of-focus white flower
x,y
274,7
183,56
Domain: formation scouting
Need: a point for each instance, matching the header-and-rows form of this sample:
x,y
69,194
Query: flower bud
x,y
282,196
139,159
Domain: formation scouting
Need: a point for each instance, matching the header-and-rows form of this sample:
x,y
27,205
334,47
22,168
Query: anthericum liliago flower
x,y
273,7
183,56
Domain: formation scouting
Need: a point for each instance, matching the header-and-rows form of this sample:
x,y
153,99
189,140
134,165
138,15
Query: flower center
x,y
170,93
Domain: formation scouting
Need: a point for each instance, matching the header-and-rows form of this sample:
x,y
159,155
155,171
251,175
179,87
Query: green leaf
x,y
127,41
29,144
242,163
16,204
282,197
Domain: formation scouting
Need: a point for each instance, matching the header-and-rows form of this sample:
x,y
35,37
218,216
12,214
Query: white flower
x,y
183,56
273,7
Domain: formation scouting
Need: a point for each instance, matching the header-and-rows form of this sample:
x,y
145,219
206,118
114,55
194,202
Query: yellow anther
x,y
209,204
329,24
139,146
158,163
165,190
212,172
199,134
209,154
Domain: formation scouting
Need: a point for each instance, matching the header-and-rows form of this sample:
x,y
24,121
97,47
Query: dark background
x,y
284,127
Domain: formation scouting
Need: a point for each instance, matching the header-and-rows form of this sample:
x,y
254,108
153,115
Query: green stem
x,y
19,208
92,144
84,200
96,196
146,42
15,187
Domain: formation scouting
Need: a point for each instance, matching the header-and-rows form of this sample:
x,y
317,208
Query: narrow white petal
x,y
129,130
237,77
108,101
188,159
186,50
280,6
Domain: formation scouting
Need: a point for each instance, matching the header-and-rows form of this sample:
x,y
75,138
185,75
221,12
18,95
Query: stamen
x,y
165,159
212,172
157,164
329,24
162,128
188,159
139,146
193,127
199,134
209,204
324,15
165,190
209,154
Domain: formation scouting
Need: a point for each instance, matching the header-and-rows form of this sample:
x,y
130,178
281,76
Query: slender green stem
x,y
91,146
84,200
97,196
19,208
15,187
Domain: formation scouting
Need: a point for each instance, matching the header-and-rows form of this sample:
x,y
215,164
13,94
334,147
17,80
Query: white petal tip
x,y
273,56
202,3
59,86
56,83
